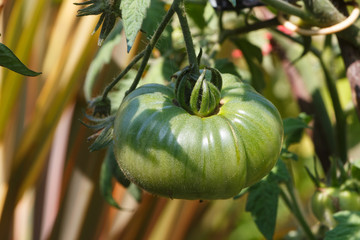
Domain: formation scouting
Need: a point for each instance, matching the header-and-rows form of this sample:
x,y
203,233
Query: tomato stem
x,y
293,205
288,8
180,11
152,44
123,73
145,54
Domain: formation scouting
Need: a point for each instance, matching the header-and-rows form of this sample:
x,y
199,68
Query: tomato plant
x,y
171,152
329,200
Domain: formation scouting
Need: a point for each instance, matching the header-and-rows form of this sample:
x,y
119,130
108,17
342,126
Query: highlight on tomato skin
x,y
170,152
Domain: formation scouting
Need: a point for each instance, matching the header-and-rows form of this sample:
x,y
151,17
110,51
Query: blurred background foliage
x,y
49,181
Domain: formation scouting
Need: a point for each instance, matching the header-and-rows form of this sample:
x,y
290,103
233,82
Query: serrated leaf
x,y
262,203
294,127
9,60
102,57
154,15
280,172
133,14
348,226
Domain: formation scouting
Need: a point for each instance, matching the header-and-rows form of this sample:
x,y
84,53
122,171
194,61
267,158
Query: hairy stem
x,y
152,43
293,205
180,11
123,73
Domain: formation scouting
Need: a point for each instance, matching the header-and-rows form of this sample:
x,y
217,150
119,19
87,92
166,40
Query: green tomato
x,y
329,200
169,152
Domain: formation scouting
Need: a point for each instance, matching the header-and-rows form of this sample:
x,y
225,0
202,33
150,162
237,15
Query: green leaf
x,y
195,10
294,127
253,57
307,46
262,203
135,191
106,174
102,57
133,14
154,15
226,66
280,172
9,60
348,227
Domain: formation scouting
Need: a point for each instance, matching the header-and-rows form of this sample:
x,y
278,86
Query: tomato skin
x,y
169,152
329,200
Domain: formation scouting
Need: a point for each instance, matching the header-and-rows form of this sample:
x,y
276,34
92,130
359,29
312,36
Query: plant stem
x,y
180,11
287,8
339,113
293,205
123,73
341,146
152,43
248,28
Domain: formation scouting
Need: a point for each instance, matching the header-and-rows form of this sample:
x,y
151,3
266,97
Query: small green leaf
x,y
133,14
307,46
195,11
280,172
9,60
226,66
348,227
233,2
106,174
294,127
262,203
154,15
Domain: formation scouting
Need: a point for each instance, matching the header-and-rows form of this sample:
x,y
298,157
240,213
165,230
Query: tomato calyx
x,y
199,95
101,106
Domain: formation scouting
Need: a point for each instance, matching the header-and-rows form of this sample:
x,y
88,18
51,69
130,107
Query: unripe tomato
x,y
167,151
329,200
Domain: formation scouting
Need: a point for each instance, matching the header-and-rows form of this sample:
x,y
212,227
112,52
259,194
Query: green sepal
x,y
201,98
216,78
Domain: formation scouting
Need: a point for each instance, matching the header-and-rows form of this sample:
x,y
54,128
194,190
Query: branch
x,y
152,44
